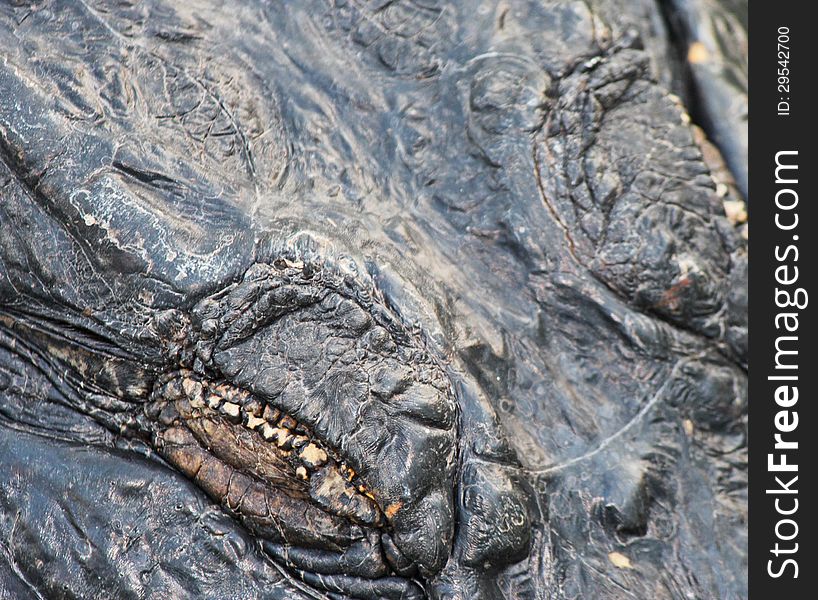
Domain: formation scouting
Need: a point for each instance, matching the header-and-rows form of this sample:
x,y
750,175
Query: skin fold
x,y
367,300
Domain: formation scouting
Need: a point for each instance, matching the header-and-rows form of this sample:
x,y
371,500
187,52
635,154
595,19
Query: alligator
x,y
367,299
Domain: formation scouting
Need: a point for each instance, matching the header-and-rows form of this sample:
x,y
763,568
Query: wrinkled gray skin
x,y
506,193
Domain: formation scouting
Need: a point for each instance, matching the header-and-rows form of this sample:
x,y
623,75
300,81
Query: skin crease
x,y
472,252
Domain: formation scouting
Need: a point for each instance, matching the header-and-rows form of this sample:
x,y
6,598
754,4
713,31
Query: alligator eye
x,y
249,436
309,413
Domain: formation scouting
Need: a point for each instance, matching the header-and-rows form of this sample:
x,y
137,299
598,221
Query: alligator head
x,y
428,302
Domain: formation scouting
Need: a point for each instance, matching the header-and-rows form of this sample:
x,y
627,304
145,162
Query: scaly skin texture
x,y
363,300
